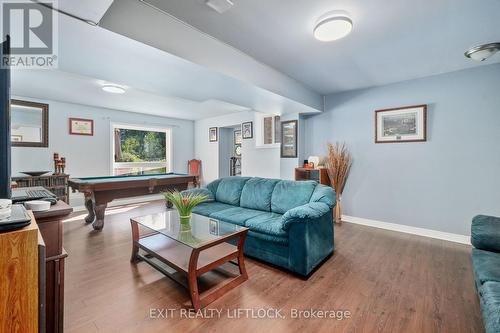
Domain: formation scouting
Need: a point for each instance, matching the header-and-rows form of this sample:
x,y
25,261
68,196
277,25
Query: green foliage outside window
x,y
140,146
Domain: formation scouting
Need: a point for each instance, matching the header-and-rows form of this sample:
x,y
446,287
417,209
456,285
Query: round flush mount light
x,y
332,26
482,52
113,89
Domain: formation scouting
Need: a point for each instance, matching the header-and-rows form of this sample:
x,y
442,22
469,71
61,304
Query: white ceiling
x,y
73,88
392,40
90,10
157,82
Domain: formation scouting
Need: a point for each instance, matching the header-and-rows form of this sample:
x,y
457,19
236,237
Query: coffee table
x,y
193,252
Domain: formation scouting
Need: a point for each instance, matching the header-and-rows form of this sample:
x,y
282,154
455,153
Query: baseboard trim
x,y
123,202
462,239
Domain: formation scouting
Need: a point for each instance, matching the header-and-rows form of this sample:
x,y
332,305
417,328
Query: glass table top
x,y
202,229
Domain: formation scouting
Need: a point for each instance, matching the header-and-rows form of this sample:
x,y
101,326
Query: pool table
x,y
99,191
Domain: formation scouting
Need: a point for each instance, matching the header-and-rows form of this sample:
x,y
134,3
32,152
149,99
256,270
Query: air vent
x,y
220,6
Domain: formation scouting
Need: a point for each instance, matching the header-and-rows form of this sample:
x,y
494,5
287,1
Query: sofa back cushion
x,y
257,193
289,194
229,190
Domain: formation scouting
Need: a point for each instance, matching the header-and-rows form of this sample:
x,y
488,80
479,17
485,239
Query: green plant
x,y
185,202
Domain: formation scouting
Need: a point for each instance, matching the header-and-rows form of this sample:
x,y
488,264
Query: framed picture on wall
x,y
289,139
247,130
404,124
237,137
237,150
79,126
212,134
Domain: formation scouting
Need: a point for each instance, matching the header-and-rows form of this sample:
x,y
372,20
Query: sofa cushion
x,y
257,193
289,194
485,233
212,186
267,223
207,208
490,306
278,240
486,265
229,190
236,215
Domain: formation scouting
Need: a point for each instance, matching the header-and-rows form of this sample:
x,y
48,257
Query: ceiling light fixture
x,y
332,26
483,51
113,89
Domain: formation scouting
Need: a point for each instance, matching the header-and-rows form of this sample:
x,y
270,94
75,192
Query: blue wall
x,y
439,184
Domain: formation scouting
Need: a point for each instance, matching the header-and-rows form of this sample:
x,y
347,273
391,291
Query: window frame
x,y
168,145
260,131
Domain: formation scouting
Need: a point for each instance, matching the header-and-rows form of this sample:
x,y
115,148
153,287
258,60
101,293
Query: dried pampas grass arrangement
x,y
338,164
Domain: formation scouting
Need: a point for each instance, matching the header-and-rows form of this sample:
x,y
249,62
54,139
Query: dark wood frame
x,y
423,106
210,129
71,132
221,251
243,132
45,123
283,123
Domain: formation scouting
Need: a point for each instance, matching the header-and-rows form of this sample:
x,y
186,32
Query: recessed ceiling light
x,y
482,52
113,89
332,26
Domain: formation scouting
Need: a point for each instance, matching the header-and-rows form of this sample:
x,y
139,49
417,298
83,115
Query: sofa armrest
x,y
204,191
485,233
324,194
310,211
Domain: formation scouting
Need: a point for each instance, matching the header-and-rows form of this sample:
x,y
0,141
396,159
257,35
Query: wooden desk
x,y
51,228
318,174
19,274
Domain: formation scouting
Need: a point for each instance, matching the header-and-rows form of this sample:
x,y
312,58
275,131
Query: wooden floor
x,y
390,282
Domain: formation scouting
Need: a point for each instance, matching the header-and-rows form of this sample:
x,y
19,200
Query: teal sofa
x,y
290,222
485,237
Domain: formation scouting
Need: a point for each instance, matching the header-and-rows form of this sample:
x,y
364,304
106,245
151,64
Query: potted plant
x,y
185,204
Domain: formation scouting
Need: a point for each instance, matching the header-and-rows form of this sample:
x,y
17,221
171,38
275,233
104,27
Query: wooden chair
x,y
194,168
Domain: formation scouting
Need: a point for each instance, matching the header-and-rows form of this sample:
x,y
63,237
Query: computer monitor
x,y
5,166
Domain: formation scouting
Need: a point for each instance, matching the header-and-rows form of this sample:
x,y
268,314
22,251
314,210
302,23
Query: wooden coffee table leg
x,y
135,239
241,258
192,279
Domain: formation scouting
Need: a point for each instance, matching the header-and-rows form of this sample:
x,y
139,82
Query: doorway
x,y
230,151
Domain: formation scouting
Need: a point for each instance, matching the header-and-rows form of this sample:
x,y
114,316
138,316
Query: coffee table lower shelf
x,y
191,262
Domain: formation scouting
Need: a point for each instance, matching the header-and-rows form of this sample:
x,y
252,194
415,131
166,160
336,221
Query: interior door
x,y
4,120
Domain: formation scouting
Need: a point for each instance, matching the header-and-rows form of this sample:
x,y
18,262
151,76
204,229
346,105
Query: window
x,y
140,150
271,130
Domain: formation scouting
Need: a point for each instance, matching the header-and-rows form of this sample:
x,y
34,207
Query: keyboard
x,y
31,193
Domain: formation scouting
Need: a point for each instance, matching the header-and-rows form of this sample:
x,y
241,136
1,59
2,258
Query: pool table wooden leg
x,y
90,207
169,204
99,212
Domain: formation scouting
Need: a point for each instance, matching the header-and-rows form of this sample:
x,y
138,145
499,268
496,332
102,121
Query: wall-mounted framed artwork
x,y
237,150
237,137
247,130
29,124
80,126
289,139
403,124
212,134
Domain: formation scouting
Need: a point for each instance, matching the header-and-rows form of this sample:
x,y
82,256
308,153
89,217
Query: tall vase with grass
x,y
338,165
185,204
